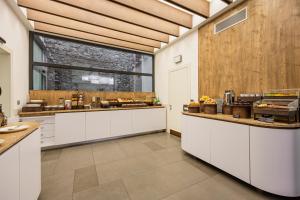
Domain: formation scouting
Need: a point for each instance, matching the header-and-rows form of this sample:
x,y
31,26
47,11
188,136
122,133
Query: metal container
x,y
229,97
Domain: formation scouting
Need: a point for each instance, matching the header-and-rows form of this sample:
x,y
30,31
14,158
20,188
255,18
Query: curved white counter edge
x,y
267,158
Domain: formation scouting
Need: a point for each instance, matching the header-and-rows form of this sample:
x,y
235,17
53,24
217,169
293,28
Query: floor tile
x,y
220,187
48,168
162,181
118,169
85,178
133,148
58,187
74,158
153,146
51,155
107,152
109,191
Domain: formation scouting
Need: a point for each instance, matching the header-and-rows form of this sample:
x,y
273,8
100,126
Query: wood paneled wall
x,y
52,96
258,54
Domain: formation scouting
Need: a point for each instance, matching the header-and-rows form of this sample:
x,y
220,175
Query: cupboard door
x,y
97,125
9,174
275,160
30,167
230,148
195,138
145,120
121,122
69,128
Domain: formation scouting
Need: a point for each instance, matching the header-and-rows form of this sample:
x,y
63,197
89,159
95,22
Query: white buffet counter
x,y
84,126
265,157
20,164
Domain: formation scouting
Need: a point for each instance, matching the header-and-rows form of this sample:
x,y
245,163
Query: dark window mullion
x,y
89,69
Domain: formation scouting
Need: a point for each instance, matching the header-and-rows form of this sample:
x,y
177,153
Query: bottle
x,y
3,119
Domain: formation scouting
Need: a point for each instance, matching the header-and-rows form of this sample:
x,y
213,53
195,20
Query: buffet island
x,y
20,161
263,154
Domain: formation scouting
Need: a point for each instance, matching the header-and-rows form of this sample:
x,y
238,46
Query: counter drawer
x,y
40,120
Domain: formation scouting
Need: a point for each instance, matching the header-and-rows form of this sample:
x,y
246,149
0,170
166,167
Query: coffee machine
x,y
229,97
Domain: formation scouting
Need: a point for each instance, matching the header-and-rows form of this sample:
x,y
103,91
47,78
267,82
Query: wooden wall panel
x,y
52,96
258,54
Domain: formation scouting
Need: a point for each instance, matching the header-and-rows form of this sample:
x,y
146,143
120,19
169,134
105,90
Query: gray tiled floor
x,y
137,168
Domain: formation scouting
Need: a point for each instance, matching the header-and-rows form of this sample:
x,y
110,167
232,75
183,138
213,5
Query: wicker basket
x,y
210,108
201,106
194,109
227,109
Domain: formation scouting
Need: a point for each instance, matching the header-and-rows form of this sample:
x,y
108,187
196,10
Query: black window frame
x,y
32,63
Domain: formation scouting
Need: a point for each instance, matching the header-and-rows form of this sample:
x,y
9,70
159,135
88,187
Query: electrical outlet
x,y
18,102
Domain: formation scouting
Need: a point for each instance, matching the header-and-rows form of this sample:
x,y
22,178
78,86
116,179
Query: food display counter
x,y
65,127
265,155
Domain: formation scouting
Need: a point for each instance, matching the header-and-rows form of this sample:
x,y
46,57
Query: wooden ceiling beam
x,y
227,1
90,37
88,28
77,14
123,13
199,7
161,10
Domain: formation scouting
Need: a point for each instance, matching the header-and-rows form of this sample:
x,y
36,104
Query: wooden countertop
x,y
53,112
13,138
251,122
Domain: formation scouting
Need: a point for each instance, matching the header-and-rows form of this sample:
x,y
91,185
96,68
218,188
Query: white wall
x,y
188,48
17,41
216,6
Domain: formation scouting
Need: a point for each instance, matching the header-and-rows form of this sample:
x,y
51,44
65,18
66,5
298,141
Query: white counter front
x,y
267,158
77,127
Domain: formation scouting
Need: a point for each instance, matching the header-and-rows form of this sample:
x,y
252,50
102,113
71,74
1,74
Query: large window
x,y
64,64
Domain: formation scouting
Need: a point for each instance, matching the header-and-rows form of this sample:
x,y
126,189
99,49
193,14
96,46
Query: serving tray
x,y
12,129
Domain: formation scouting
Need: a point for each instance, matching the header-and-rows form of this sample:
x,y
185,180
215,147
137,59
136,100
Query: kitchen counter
x,y
53,112
265,155
13,138
251,122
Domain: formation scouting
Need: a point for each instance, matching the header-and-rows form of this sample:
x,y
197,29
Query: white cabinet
x,y
275,160
121,122
9,174
97,125
195,136
20,170
146,120
30,167
47,126
230,148
69,128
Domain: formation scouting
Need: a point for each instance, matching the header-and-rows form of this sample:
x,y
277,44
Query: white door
x,y
5,81
179,94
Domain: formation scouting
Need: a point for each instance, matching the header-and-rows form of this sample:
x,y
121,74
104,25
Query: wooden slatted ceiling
x,y
84,27
81,15
119,12
227,1
161,10
199,7
90,37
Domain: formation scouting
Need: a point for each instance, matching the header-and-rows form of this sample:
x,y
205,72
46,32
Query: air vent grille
x,y
231,21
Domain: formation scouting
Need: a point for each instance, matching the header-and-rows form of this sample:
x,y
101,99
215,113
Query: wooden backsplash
x,y
52,96
258,54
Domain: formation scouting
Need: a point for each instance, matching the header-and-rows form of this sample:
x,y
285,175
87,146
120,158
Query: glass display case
x,y
281,105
